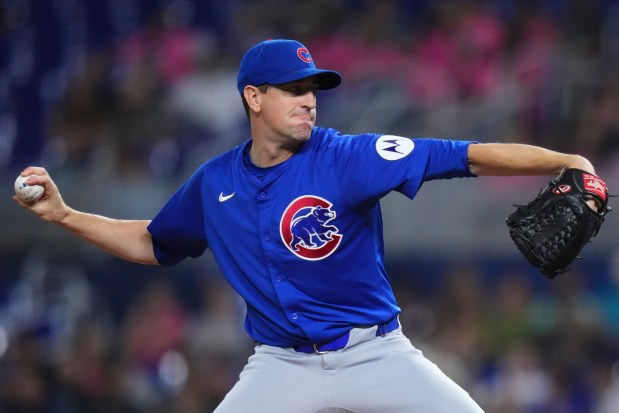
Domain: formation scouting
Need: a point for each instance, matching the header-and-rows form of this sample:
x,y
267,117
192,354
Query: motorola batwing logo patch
x,y
393,148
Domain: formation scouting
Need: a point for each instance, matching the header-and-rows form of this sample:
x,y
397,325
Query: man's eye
x,y
299,90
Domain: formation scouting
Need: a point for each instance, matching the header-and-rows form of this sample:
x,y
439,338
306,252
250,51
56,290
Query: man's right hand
x,y
51,206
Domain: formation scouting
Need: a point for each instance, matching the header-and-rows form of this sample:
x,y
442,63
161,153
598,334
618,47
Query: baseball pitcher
x,y
292,217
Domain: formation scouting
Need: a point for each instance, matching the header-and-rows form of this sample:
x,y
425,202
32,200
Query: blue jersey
x,y
302,241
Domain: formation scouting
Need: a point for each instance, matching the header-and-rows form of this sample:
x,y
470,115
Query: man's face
x,y
290,108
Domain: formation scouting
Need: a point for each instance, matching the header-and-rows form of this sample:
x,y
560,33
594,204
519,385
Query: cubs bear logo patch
x,y
306,228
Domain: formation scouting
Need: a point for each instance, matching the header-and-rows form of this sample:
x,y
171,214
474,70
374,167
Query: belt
x,y
340,342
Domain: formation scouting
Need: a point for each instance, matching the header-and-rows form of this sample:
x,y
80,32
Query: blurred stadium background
x,y
122,99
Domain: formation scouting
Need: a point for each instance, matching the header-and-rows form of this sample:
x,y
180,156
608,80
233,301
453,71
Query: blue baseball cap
x,y
281,61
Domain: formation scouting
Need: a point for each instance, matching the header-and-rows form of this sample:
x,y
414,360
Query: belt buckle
x,y
316,351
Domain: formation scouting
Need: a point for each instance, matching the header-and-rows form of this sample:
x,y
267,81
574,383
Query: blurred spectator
x,y
479,39
459,307
217,325
155,311
511,320
25,387
154,326
608,397
79,126
580,332
520,383
598,127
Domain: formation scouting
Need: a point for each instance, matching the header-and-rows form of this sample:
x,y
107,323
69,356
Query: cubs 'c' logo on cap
x,y
306,230
304,54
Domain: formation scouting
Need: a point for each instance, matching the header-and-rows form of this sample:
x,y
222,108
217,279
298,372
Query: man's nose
x,y
309,100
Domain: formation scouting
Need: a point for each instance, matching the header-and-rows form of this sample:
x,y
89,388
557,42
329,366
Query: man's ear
x,y
252,96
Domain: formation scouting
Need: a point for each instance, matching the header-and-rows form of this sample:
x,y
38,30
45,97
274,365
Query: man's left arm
x,y
512,159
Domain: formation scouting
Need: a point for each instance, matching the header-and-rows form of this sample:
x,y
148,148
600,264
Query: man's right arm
x,y
127,239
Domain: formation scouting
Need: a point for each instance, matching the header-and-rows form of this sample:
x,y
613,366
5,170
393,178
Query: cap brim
x,y
327,79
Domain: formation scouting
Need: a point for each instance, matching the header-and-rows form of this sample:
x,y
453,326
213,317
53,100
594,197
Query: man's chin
x,y
302,134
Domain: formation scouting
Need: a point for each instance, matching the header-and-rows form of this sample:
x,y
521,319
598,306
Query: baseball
x,y
27,193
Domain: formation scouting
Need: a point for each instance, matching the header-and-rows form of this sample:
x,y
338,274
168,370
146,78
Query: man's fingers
x,y
38,170
37,176
594,204
34,170
38,180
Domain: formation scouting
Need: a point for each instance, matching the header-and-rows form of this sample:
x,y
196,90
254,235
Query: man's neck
x,y
264,156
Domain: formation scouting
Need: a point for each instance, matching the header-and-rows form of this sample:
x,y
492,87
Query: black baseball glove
x,y
552,229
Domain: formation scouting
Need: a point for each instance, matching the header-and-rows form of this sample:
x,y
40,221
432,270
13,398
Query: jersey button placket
x,y
264,209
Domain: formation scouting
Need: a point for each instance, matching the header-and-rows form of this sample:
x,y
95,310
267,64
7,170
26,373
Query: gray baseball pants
x,y
383,374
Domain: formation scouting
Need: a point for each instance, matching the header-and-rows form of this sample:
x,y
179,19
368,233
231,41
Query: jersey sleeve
x,y
178,229
370,166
